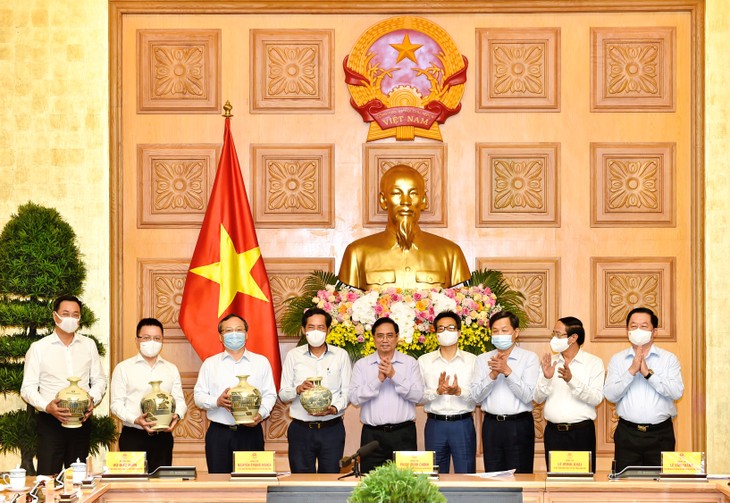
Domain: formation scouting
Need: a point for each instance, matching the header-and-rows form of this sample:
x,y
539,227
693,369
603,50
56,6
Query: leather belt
x,y
390,427
508,417
318,425
646,427
455,417
570,426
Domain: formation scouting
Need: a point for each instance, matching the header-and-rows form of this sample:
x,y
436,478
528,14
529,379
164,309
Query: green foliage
x,y
509,299
38,255
103,433
388,483
18,431
11,378
291,322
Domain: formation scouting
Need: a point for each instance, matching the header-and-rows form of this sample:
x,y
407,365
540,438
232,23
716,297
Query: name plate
x,y
576,462
418,461
126,463
683,463
255,462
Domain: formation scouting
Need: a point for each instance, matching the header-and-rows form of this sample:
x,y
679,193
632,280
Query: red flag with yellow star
x,y
227,274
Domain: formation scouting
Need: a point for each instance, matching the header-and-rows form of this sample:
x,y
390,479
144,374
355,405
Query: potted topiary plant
x,y
390,484
39,260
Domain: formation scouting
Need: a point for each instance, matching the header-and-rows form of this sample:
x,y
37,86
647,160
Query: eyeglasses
x,y
389,336
69,314
450,328
559,334
228,330
644,326
147,338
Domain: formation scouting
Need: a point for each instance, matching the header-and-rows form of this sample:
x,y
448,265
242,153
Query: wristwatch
x,y
649,374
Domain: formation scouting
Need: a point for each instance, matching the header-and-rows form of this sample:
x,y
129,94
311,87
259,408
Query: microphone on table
x,y
365,450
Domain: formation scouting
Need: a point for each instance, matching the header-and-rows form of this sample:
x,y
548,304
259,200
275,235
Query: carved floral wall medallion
x,y
178,71
632,69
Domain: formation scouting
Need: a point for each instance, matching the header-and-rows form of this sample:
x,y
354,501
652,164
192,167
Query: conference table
x,y
533,488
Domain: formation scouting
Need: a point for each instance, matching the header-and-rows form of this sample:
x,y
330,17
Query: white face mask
x,y
559,345
639,337
448,337
316,338
68,324
150,349
502,341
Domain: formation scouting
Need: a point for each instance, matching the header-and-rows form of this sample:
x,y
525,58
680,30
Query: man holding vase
x,y
131,381
212,393
316,438
49,363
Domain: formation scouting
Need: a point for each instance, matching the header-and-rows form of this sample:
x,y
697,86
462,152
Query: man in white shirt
x,y
316,441
447,374
216,377
504,383
643,381
571,386
131,382
49,363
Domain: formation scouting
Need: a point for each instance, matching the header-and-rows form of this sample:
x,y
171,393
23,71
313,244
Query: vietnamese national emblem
x,y
405,77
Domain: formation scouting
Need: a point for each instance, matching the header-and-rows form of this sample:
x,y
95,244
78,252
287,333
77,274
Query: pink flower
x,y
351,296
360,338
421,339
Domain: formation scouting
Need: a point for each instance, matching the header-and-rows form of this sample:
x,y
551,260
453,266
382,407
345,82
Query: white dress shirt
x,y
574,401
219,372
333,366
131,381
49,362
461,366
506,395
641,400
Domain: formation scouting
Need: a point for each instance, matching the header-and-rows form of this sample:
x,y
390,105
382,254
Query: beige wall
x,y
54,151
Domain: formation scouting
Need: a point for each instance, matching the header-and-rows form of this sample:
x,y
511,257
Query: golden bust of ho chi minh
x,y
403,255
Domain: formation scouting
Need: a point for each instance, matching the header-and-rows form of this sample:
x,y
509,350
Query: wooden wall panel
x,y
556,244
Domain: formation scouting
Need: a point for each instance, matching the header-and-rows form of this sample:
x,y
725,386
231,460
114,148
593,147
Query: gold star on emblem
x,y
232,273
406,49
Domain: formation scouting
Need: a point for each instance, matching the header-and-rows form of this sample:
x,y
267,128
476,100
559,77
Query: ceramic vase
x,y
75,400
317,399
245,401
160,405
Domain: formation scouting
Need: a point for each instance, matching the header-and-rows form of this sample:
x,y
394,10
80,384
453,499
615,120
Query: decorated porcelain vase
x,y
316,399
245,401
75,400
160,405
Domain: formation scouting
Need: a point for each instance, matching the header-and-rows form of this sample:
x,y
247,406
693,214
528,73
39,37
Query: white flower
x,y
442,303
404,316
363,309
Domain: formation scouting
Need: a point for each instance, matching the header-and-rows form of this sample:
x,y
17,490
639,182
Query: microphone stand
x,y
355,469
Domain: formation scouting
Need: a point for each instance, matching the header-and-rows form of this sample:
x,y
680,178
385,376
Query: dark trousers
x,y
452,438
313,450
157,446
222,441
578,437
509,444
398,437
59,446
642,448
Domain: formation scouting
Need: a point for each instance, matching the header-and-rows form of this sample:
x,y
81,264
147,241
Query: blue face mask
x,y
234,340
502,341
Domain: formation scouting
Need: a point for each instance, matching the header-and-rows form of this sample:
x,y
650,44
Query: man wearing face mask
x,y
571,385
216,377
643,381
48,364
504,383
316,441
131,381
447,374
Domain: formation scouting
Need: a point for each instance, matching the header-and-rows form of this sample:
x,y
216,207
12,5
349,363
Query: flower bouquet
x,y
354,311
